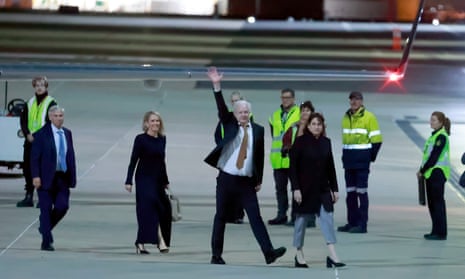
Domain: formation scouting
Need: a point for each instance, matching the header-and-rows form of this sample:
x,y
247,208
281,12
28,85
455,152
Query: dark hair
x,y
288,90
443,119
307,104
320,117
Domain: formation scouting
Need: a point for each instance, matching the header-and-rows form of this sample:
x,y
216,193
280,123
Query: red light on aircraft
x,y
395,76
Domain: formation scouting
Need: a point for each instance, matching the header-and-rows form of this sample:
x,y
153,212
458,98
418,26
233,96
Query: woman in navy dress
x,y
152,204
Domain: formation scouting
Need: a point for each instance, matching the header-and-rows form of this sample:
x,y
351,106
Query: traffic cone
x,y
396,38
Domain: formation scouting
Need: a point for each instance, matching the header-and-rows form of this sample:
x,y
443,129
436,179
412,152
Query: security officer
x,y
32,118
280,121
435,168
361,141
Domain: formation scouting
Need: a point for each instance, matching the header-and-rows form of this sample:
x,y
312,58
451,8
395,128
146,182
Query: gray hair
x,y
55,108
240,103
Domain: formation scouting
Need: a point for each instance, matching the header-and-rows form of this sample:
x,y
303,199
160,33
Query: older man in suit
x,y
53,169
240,157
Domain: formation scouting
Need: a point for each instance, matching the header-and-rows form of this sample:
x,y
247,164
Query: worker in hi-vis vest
x,y
32,118
361,141
435,169
280,121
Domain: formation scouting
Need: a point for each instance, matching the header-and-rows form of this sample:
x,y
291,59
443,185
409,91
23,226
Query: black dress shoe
x,y
26,202
345,228
435,237
357,229
278,220
217,260
297,264
274,254
330,263
47,247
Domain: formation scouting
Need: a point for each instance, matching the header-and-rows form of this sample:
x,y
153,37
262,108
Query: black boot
x,y
26,202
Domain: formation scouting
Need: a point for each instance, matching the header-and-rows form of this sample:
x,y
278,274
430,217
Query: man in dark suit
x,y
53,169
240,157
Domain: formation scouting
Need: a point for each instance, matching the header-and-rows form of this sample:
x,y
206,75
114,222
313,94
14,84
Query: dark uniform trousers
x,y
230,187
436,203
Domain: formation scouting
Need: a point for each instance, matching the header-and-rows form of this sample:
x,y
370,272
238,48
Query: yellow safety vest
x,y
443,162
37,114
360,130
279,127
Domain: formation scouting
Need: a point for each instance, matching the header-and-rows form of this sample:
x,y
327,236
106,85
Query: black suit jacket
x,y
44,157
231,129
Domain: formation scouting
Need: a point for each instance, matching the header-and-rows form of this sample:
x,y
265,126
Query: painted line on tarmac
x,y
18,237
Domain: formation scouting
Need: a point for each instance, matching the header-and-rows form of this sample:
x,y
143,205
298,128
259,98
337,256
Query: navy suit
x,y
231,187
54,191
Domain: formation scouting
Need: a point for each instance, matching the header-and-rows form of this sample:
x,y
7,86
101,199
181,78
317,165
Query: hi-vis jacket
x,y
361,139
443,162
279,126
37,114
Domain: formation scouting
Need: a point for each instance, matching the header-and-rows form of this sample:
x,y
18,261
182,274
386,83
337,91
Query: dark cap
x,y
356,95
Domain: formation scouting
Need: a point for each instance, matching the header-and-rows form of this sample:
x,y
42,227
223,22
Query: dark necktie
x,y
243,149
61,152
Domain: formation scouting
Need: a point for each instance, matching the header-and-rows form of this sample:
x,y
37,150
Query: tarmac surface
x,y
95,239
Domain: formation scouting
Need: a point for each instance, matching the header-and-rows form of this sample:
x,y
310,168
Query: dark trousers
x,y
54,204
357,196
231,187
27,167
436,203
281,178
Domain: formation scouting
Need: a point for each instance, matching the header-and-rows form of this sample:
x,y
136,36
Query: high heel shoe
x,y
297,264
330,263
163,250
140,249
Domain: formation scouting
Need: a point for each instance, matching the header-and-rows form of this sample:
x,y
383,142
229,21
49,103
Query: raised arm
x,y
215,78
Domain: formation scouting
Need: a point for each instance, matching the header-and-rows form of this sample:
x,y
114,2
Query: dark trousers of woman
x,y
436,203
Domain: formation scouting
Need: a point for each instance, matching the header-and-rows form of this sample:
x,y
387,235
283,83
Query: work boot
x,y
26,202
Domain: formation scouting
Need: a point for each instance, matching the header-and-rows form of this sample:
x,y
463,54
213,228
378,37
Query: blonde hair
x,y
40,78
147,115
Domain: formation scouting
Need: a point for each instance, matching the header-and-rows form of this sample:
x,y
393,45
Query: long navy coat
x,y
312,172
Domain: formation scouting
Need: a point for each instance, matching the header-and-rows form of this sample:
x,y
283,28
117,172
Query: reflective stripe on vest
x,y
37,114
360,128
279,128
443,162
356,146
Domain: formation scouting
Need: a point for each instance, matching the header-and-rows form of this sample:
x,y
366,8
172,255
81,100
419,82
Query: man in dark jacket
x,y
240,158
